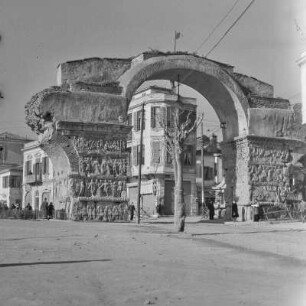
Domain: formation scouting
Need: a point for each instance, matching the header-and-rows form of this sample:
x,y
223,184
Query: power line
x,y
217,26
228,30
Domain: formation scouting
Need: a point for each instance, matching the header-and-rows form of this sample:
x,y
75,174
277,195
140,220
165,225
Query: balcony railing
x,y
33,179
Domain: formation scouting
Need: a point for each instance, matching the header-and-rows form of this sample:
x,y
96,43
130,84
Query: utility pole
x,y
140,164
202,168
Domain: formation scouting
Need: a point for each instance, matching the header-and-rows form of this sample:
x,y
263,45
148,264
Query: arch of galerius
x,y
81,125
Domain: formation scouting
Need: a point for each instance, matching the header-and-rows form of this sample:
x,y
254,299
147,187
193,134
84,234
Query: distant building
x,y
10,150
10,189
157,187
11,168
213,175
37,176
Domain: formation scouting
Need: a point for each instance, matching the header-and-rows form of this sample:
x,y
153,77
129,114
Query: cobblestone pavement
x,y
69,263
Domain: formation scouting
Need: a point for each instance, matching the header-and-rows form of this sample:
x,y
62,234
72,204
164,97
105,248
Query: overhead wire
x,y
217,25
223,36
228,30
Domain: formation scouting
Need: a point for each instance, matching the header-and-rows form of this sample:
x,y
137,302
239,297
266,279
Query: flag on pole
x,y
177,35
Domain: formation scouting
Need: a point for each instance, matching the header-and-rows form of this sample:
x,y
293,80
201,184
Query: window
x,y
5,182
208,173
130,119
191,115
170,116
156,154
138,155
1,153
198,170
28,169
37,169
188,156
15,181
169,158
154,116
45,165
137,118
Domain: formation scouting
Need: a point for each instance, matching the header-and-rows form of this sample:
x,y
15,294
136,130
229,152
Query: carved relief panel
x,y
268,171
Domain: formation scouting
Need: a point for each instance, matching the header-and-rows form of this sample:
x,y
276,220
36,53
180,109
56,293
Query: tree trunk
x,y
179,205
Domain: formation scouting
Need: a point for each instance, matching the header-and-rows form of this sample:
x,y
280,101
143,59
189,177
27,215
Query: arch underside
x,y
221,98
209,79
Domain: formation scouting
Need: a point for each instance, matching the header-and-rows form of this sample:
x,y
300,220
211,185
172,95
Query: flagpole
x,y
174,41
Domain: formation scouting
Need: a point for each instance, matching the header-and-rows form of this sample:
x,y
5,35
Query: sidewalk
x,y
284,240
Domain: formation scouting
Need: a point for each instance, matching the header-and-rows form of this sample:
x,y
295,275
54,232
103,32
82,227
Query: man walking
x,y
131,210
50,210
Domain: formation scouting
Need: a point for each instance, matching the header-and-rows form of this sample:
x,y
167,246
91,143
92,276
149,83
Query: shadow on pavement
x,y
16,264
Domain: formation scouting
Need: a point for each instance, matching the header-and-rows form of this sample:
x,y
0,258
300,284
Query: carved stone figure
x,y
82,189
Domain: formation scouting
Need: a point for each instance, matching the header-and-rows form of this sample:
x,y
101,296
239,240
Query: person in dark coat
x,y
235,214
211,208
131,211
50,210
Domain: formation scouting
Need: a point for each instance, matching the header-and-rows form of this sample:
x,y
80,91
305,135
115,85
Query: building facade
x,y
11,168
212,166
157,186
11,191
37,177
10,150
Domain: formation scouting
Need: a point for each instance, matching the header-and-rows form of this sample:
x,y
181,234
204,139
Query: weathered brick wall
x,y
254,86
92,70
265,102
112,87
84,107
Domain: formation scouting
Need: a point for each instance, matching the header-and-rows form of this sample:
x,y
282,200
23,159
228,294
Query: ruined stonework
x,y
81,123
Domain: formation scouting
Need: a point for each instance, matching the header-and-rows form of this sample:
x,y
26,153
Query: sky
x,y
37,35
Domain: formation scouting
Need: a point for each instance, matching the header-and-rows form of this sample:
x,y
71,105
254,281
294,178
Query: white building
x,y
37,176
213,174
11,168
10,189
157,170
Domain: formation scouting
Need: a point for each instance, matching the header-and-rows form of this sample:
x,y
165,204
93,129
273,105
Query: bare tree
x,y
182,123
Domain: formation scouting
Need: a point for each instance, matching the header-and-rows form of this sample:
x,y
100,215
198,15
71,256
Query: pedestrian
x,y
28,207
211,209
235,214
44,208
256,212
50,210
131,211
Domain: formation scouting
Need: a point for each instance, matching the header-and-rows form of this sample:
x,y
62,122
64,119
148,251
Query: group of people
x,y
48,209
211,208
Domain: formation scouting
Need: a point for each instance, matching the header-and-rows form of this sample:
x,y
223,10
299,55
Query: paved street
x,y
69,263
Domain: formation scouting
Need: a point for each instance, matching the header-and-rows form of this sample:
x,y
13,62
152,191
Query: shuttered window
x,y
5,182
130,119
134,156
138,155
138,120
188,156
28,167
15,181
170,116
155,112
156,152
45,165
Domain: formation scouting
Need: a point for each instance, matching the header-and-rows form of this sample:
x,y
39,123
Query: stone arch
x,y
210,79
